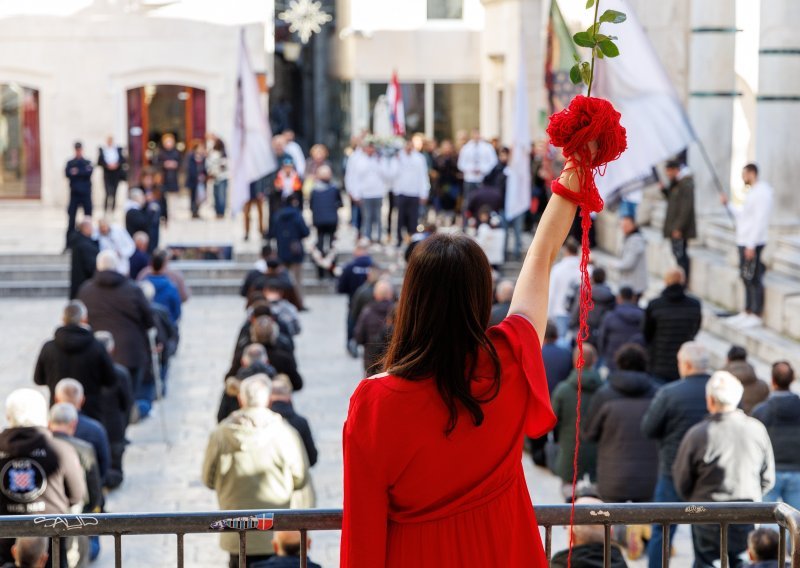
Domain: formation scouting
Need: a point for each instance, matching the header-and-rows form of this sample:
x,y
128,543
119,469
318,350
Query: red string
x,y
585,120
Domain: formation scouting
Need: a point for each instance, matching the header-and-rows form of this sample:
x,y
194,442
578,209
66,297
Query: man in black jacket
x,y
726,457
680,223
79,174
75,353
116,304
676,407
281,402
111,158
780,413
670,320
621,325
84,256
39,475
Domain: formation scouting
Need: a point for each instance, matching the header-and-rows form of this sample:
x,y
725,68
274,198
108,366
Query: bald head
x,y
287,543
71,391
75,313
588,534
30,552
674,276
505,289
383,291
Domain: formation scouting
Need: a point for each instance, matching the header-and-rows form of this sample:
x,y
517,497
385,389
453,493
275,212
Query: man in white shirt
x,y
475,160
564,278
365,180
295,152
752,214
115,238
412,185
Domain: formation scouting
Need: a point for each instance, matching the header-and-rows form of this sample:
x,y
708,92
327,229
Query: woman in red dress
x,y
433,448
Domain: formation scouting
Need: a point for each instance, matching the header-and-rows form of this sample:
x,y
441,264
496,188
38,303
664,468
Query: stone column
x,y
778,104
712,90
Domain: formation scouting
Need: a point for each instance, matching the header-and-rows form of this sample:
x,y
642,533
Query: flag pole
x,y
707,159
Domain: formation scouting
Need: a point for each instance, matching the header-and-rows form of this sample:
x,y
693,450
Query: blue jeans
x,y
220,196
787,489
371,209
665,493
515,225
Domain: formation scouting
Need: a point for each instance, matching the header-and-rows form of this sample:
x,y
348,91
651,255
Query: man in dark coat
x,y
254,361
680,224
75,353
116,304
264,330
281,402
676,407
79,173
289,229
670,320
780,413
118,403
111,158
40,474
621,325
557,359
756,391
84,256
373,326
604,301
727,457
627,462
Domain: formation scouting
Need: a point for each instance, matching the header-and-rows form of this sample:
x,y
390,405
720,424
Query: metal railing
x,y
58,527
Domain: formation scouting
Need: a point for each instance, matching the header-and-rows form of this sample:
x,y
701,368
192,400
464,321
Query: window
x,y
20,166
445,9
413,104
456,107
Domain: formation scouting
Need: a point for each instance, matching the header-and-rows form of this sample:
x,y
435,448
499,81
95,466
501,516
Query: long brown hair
x,y
441,322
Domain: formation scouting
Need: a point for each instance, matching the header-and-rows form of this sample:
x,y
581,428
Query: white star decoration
x,y
305,17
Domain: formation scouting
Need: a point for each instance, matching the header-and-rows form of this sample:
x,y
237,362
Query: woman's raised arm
x,y
532,289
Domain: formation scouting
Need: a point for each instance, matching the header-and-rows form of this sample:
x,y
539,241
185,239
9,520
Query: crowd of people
x,y
658,424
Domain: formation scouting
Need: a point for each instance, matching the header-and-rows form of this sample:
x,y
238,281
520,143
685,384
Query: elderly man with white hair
x,y
254,460
40,475
115,238
116,304
726,457
63,422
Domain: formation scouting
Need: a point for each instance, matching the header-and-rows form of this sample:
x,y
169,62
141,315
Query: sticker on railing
x,y
261,522
695,509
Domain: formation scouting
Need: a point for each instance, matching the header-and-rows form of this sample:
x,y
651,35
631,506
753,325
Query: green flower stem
x,y
591,73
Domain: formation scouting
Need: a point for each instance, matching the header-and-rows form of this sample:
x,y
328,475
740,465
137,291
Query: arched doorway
x,y
155,110
20,145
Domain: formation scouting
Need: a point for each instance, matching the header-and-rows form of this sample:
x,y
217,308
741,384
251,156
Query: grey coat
x,y
633,263
726,457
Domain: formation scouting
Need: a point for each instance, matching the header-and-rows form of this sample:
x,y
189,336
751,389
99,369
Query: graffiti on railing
x,y
258,522
66,523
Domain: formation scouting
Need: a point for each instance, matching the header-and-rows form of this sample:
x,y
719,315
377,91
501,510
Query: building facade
x,y
133,69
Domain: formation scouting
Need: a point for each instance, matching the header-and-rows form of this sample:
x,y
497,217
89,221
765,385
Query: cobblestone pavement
x,y
162,477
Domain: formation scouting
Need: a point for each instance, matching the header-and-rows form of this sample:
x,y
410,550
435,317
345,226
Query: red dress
x,y
415,498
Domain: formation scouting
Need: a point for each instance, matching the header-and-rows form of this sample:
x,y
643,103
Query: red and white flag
x,y
397,112
250,153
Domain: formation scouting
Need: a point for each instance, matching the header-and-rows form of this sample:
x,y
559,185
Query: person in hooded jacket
x,y
627,461
289,229
621,325
84,255
565,403
373,326
604,301
74,352
116,304
41,475
756,391
670,320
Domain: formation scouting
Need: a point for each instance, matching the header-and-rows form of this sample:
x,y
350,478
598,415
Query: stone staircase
x,y
715,279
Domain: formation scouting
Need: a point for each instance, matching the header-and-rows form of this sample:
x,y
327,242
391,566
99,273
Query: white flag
x,y
518,183
250,155
638,86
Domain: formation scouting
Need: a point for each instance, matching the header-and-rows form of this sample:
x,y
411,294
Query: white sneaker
x,y
737,320
751,321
